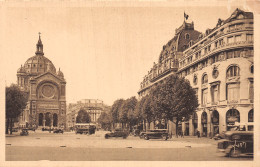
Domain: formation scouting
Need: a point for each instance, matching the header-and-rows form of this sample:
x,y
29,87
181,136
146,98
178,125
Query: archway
x,y
215,122
195,123
47,119
55,120
40,119
250,126
204,121
232,116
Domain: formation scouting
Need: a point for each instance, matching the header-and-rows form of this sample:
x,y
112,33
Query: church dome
x,y
21,70
60,74
39,64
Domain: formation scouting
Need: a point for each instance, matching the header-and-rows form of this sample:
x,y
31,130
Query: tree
x,y
16,101
83,117
148,110
115,110
126,112
105,121
175,98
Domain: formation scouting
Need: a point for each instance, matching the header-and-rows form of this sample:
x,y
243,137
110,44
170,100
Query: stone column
x,y
199,123
51,116
209,124
43,120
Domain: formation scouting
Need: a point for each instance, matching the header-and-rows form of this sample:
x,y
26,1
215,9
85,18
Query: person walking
x,y
198,134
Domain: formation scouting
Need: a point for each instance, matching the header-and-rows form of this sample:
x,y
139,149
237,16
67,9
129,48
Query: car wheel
x,y
235,153
124,137
106,136
146,137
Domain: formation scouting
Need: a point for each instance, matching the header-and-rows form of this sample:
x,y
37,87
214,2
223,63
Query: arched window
x,y
232,116
204,117
252,69
233,71
251,116
204,79
215,117
187,36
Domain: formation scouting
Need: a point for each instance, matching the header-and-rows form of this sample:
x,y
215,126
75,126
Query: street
x,y
72,147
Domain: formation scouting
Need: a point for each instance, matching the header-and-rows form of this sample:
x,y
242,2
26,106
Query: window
x,y
233,92
214,93
251,116
204,96
221,42
233,71
195,80
205,50
230,39
187,36
230,55
216,44
237,53
249,37
209,47
251,90
205,79
238,38
252,69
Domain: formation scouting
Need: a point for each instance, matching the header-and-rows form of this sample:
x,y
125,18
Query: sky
x,y
103,51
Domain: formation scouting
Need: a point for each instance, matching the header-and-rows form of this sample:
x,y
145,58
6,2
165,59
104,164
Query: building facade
x,y
46,88
93,107
219,65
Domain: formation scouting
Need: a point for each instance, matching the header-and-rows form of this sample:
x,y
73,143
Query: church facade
x,y
46,106
220,67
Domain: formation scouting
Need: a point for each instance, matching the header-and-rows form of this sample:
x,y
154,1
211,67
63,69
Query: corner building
x,y
219,65
46,88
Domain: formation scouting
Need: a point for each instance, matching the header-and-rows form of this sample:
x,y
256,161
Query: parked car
x,y
237,143
24,132
58,131
155,134
117,133
219,136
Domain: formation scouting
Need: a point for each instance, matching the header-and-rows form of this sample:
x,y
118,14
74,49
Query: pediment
x,y
49,76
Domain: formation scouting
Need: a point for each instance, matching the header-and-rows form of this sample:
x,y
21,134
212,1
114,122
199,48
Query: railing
x,y
214,50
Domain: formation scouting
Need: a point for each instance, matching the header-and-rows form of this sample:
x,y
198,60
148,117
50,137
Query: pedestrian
x,y
198,134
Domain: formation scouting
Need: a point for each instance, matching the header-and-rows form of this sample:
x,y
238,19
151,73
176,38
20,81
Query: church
x,y
46,106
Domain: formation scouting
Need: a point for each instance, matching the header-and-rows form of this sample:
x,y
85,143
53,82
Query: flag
x,y
186,16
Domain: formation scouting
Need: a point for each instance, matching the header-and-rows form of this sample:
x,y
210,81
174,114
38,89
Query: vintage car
x,y
117,133
155,134
237,143
219,136
24,132
85,129
58,131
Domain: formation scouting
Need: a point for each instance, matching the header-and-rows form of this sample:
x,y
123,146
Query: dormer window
x,y
187,36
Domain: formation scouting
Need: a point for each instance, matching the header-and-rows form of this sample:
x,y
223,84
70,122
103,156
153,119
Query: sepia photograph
x,y
115,81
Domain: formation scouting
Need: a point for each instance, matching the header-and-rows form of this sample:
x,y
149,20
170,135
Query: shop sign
x,y
232,119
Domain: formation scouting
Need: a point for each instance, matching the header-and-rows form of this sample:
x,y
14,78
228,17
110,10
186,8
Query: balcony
x,y
224,46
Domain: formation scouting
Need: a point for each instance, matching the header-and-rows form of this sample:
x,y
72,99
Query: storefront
x,y
232,116
215,122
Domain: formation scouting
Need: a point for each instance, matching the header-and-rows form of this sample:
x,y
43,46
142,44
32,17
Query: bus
x,y
85,128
